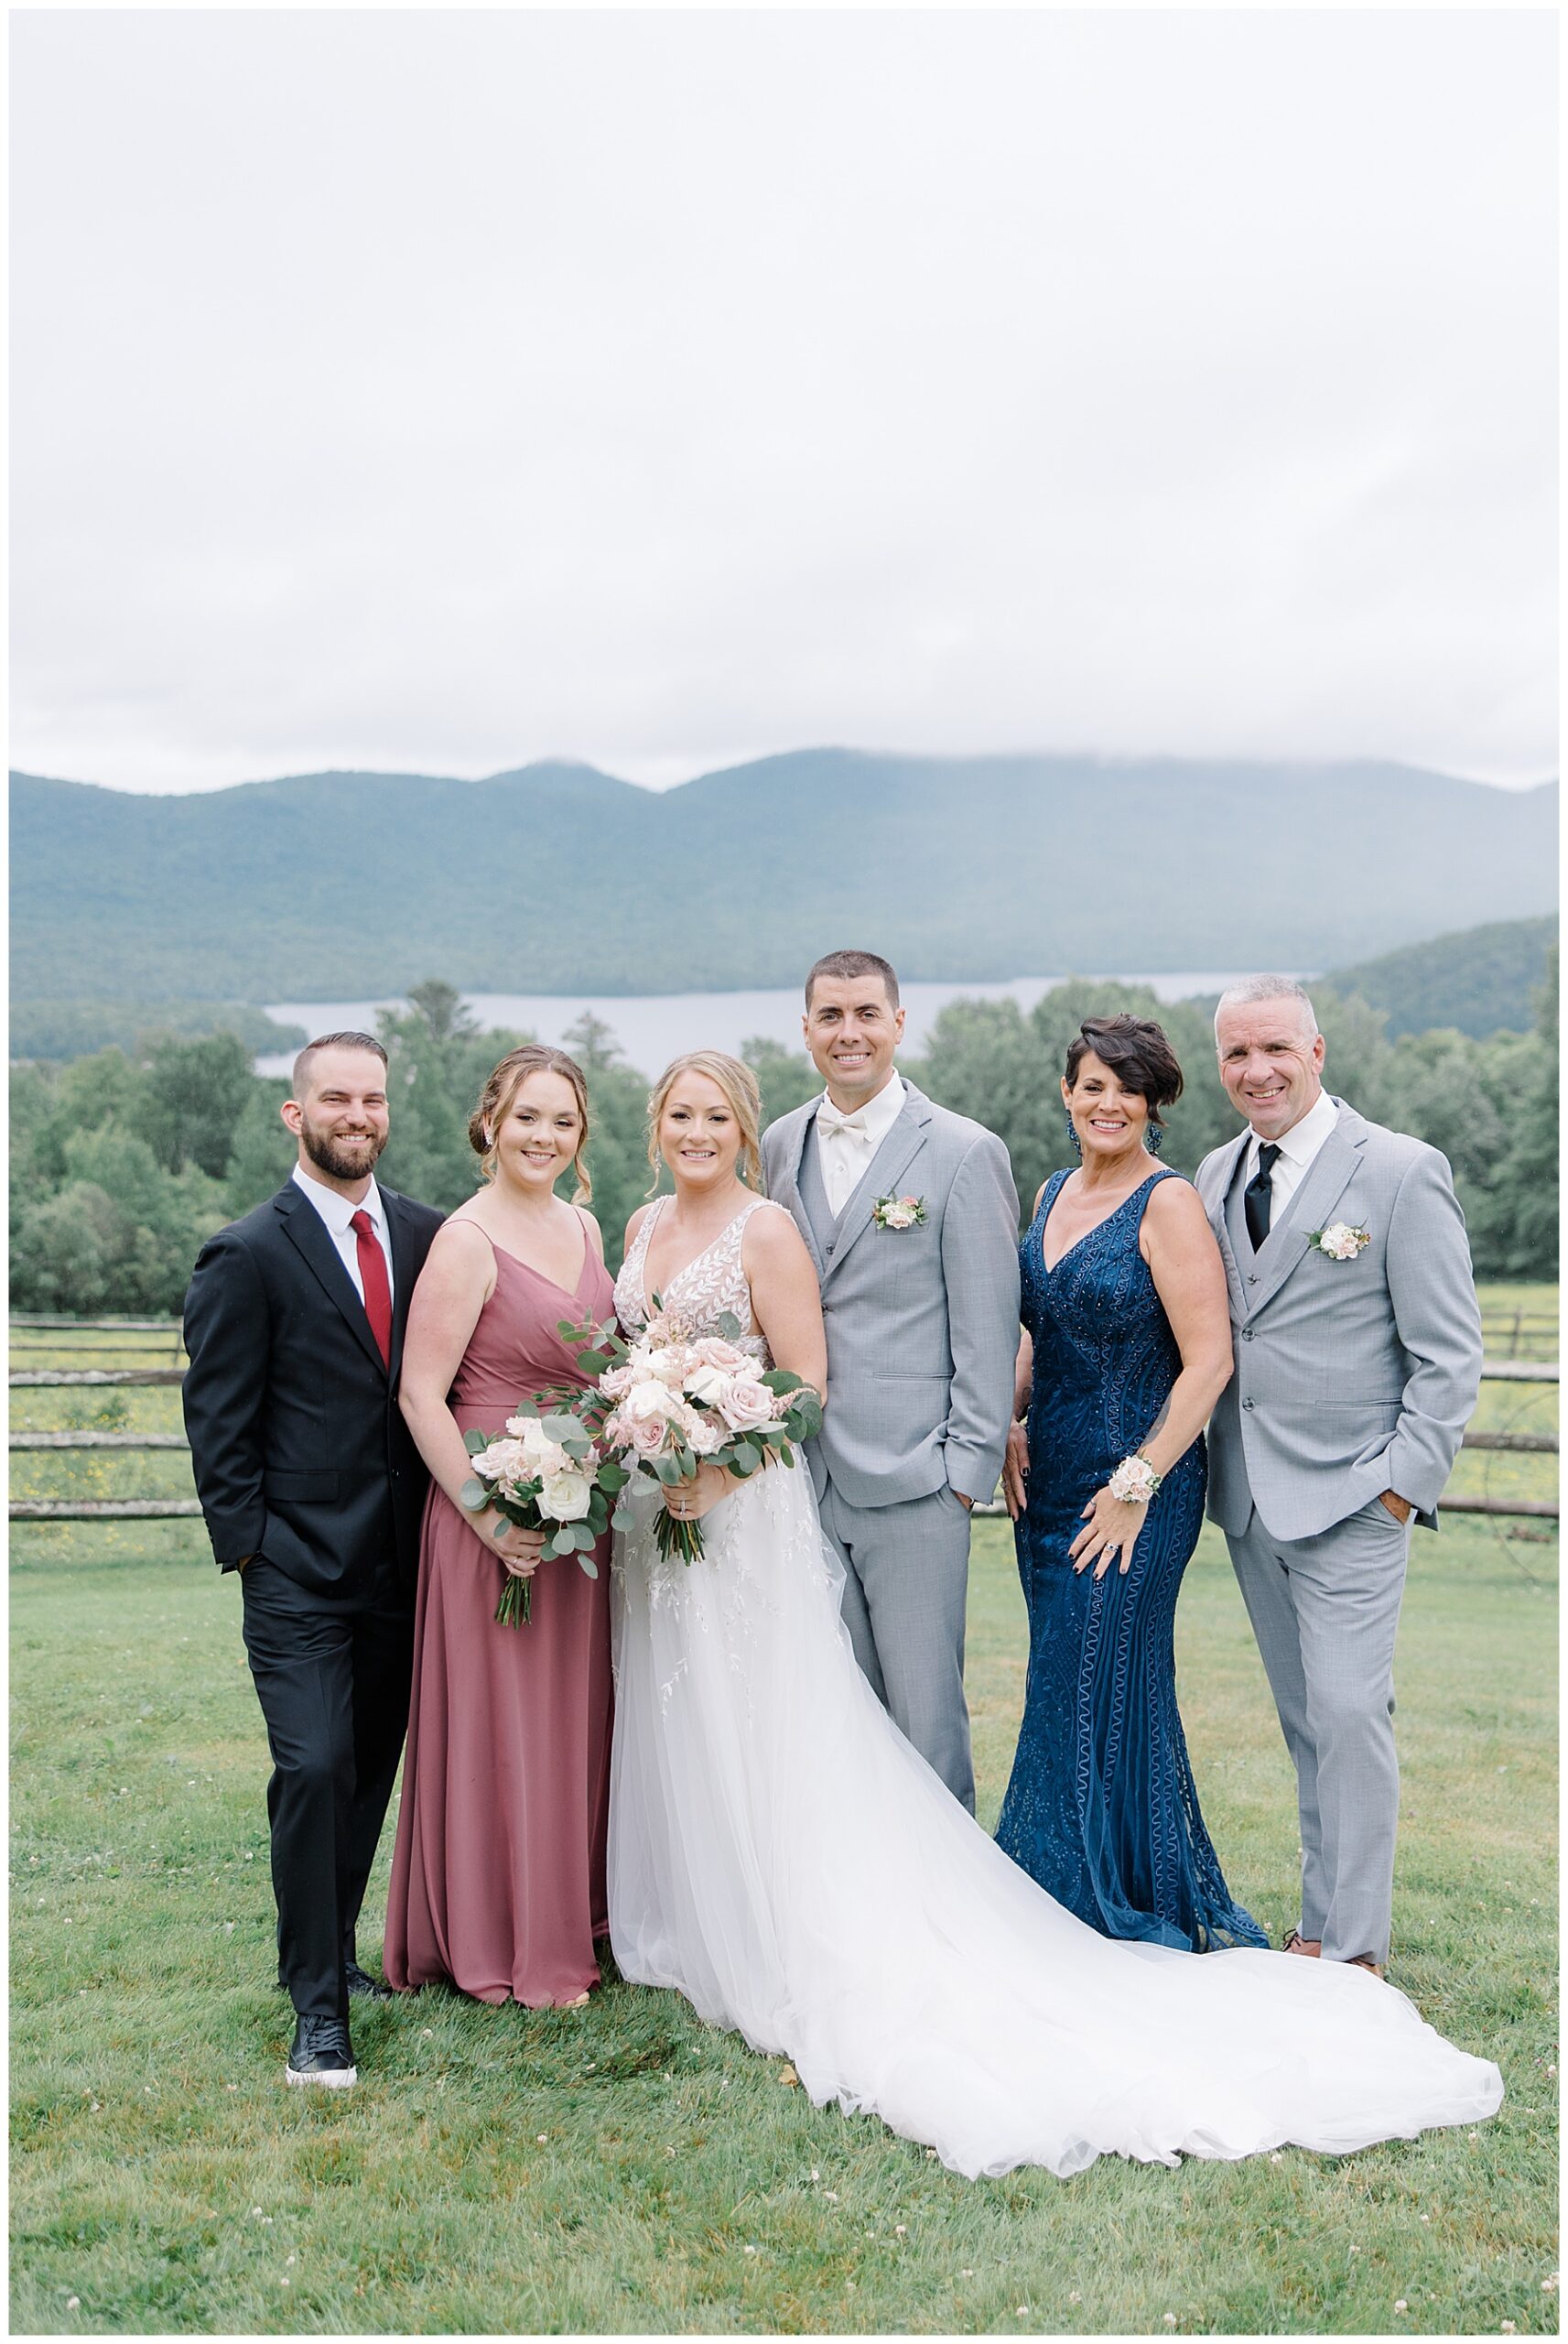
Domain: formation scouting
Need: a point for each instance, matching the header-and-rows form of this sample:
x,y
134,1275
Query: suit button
x,y
1247,1334
1251,1277
1246,1403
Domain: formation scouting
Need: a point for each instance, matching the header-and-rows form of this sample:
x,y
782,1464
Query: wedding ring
x,y
1111,1552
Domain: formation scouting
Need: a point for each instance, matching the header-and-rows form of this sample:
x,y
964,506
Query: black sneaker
x,y
360,1983
321,2054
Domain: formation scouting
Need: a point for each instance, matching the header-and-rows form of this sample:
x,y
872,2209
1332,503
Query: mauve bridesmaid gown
x,y
498,1872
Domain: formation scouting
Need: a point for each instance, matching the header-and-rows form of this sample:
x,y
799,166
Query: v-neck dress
x,y
1101,1808
498,1872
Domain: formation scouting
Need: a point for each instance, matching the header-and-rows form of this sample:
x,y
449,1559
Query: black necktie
x,y
1258,1195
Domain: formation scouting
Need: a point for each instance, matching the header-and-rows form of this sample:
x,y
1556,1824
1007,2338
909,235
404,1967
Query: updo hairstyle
x,y
742,1096
501,1089
1137,1053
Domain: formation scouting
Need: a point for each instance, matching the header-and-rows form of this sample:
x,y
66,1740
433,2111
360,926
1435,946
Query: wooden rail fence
x,y
1498,1371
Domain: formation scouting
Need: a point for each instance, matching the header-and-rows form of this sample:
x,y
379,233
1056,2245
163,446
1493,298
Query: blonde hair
x,y
742,1094
501,1086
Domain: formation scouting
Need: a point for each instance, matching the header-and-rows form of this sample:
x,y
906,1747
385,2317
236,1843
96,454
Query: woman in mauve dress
x,y
498,1872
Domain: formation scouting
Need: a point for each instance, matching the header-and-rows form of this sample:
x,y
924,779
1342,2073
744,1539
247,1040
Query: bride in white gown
x,y
781,1856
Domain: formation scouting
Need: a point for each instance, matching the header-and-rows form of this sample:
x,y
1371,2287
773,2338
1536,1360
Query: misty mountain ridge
x,y
557,876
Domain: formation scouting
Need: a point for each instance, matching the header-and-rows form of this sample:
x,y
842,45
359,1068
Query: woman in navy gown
x,y
1126,1349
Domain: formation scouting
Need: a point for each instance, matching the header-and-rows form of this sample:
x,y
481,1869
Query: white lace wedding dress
x,y
781,1856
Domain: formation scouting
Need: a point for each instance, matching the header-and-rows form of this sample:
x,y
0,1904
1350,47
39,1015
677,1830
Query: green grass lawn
x,y
623,2169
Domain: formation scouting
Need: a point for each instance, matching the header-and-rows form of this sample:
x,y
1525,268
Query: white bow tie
x,y
828,1120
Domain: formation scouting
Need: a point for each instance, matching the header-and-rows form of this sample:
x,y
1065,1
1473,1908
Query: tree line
x,y
124,1163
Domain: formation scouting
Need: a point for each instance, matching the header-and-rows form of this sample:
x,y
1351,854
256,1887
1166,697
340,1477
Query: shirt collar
x,y
1301,1142
336,1211
881,1112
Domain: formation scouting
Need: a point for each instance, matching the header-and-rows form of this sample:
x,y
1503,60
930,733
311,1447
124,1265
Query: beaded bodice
x,y
711,1283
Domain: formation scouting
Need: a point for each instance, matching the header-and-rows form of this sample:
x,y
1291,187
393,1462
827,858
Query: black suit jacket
x,y
299,1449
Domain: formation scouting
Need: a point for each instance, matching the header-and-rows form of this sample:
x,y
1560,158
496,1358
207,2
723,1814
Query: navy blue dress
x,y
1101,1808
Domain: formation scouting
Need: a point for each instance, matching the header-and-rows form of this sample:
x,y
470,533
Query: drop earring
x,y
1156,1139
1073,1133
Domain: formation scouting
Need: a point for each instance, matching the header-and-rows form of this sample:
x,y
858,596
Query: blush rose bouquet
x,y
546,1471
674,1401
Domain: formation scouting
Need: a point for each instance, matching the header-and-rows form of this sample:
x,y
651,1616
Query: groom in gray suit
x,y
1359,1360
912,1218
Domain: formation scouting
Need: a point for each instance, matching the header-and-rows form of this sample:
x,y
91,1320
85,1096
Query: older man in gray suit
x,y
912,1218
1359,1360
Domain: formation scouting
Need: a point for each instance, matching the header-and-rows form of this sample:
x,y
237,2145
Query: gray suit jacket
x,y
1351,1377
922,1323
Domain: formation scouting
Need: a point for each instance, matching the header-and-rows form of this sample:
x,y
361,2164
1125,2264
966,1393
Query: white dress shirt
x,y
338,1212
1297,1149
846,1145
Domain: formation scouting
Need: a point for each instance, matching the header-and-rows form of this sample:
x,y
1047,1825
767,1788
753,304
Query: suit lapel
x,y
1222,1177
306,1229
882,1173
405,1273
791,1198
1327,1177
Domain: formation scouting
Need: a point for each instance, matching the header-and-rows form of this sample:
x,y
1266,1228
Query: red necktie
x,y
375,1282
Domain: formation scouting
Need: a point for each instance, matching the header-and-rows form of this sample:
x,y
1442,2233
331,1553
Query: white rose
x,y
541,1449
704,1382
650,1399
666,1363
1341,1242
898,1216
566,1495
705,1434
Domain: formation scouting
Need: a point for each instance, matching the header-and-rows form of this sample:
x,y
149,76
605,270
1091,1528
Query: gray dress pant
x,y
1324,1611
906,1577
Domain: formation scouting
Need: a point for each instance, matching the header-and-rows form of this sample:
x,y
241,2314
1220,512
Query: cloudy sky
x,y
442,391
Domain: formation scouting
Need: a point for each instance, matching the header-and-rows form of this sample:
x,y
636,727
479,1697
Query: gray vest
x,y
814,1195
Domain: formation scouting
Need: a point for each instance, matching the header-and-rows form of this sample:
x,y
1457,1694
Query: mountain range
x,y
557,876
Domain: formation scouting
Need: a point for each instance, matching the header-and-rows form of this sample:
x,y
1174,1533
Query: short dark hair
x,y
331,1042
853,964
1138,1053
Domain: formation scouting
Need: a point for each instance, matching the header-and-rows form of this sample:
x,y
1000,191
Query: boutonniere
x,y
899,1212
1340,1242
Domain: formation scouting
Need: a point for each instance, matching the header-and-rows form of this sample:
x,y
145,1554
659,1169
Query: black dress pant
x,y
333,1681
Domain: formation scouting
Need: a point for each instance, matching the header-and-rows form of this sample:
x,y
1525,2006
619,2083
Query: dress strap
x,y
1048,1194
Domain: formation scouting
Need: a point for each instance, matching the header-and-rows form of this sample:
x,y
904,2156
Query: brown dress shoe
x,y
1296,1943
1364,1961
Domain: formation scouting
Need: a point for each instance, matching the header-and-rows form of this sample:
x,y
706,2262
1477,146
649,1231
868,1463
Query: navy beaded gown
x,y
1101,1808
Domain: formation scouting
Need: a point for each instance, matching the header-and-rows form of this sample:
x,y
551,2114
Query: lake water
x,y
652,1027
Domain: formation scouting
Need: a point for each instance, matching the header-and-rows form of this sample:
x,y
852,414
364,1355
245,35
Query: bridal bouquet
x,y
545,1473
673,1402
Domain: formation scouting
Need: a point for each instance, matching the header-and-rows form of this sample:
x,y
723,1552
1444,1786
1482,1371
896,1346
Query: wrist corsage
x,y
1134,1482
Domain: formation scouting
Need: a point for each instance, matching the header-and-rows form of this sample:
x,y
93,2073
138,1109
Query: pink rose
x,y
714,1352
645,1435
745,1403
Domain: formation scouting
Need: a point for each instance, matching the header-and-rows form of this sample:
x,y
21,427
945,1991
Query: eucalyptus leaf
x,y
586,1563
474,1494
729,1327
474,1441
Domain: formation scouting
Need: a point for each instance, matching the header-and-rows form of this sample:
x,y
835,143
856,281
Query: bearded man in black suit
x,y
312,1489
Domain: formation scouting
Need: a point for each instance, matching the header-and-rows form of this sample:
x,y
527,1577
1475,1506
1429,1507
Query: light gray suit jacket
x,y
1351,1377
922,1323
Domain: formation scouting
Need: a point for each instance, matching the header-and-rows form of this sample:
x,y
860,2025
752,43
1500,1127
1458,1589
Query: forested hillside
x,y
1486,978
559,877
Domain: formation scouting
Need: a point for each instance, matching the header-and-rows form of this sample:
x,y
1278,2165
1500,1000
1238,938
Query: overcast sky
x,y
438,392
